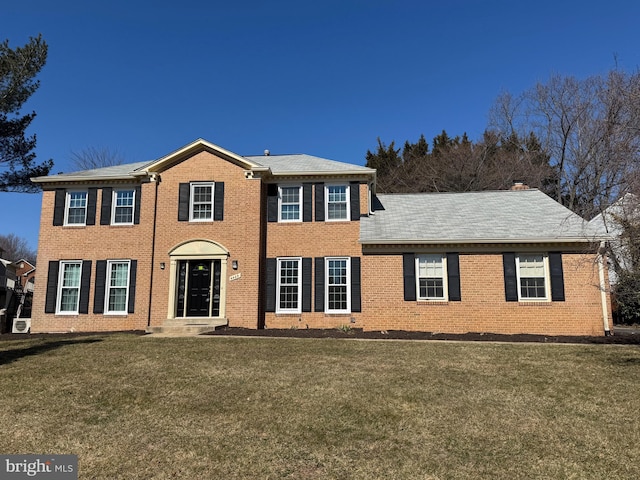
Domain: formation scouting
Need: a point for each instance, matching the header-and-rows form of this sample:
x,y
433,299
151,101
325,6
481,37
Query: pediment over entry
x,y
199,248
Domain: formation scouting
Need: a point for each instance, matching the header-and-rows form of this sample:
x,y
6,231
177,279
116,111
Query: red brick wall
x,y
315,239
94,242
239,233
483,307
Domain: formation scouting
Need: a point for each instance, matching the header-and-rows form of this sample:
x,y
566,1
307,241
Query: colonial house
x,y
205,237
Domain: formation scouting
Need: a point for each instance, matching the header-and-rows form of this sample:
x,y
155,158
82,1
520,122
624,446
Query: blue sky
x,y
324,78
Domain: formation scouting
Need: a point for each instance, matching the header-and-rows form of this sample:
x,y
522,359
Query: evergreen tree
x,y
18,69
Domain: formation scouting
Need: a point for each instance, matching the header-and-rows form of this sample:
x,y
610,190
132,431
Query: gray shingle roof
x,y
116,171
279,164
475,217
305,164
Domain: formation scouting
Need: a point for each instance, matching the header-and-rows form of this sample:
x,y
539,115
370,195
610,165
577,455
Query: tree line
x,y
576,140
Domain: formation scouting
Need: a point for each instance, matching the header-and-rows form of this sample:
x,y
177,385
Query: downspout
x,y
603,290
156,179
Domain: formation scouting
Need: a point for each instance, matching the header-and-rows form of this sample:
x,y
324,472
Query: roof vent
x,y
267,153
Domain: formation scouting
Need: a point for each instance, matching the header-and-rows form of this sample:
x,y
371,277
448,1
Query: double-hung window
x,y
338,297
289,285
68,294
123,205
337,202
532,277
201,208
432,278
117,295
289,201
76,208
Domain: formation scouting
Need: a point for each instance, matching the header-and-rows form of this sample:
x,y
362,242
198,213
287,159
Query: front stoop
x,y
185,328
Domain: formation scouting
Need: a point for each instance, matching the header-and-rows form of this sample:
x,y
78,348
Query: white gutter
x,y
603,291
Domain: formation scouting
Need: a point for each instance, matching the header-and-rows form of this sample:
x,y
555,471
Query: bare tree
x,y
590,129
16,248
95,157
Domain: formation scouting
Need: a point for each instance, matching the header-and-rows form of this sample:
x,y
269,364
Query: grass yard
x,y
235,408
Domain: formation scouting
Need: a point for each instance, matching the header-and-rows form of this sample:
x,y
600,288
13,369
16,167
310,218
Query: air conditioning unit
x,y
21,325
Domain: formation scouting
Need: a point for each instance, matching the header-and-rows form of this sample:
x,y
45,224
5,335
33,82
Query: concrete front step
x,y
182,328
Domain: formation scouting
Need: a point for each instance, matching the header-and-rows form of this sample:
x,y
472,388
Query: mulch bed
x,y
626,339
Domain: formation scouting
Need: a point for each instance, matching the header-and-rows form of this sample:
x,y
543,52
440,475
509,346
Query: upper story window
x,y
201,201
68,294
123,206
337,202
431,277
532,273
201,205
289,202
75,208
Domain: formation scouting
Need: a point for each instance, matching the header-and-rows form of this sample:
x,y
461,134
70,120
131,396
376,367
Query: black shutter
x,y
218,201
307,267
132,286
409,274
453,277
85,285
356,288
319,303
510,277
52,287
307,202
270,293
105,210
136,212
272,202
92,197
557,277
184,190
354,192
101,281
319,202
58,208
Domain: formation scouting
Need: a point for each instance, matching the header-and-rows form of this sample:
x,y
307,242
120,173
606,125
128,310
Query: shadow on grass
x,y
9,356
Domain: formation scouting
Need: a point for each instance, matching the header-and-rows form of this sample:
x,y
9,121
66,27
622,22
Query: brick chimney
x,y
519,186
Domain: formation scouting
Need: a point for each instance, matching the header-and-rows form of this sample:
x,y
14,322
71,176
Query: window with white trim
x,y
431,272
68,294
201,199
337,202
117,294
338,285
75,212
533,280
289,285
123,204
289,201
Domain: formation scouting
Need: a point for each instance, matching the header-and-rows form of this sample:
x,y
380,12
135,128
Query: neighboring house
x,y
206,237
16,292
609,222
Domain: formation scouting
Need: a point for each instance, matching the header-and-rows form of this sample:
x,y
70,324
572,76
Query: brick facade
x,y
245,237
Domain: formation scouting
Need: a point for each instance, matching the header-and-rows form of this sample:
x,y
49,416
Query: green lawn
x,y
197,408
